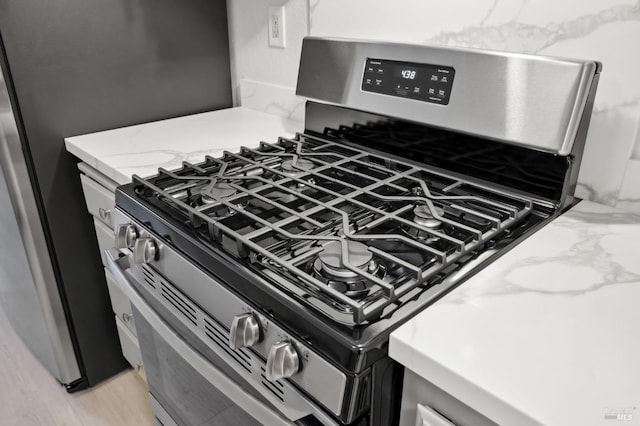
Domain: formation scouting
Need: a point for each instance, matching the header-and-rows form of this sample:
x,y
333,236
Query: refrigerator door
x,y
81,66
28,288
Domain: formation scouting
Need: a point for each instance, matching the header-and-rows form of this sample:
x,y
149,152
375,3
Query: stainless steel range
x,y
266,282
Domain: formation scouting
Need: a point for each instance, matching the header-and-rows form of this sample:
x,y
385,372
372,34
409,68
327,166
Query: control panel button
x,y
440,92
126,235
434,77
145,250
245,331
283,361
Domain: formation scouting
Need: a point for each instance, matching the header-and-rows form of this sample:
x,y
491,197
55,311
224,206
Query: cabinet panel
x,y
100,201
120,303
101,178
106,239
427,416
129,343
99,194
423,403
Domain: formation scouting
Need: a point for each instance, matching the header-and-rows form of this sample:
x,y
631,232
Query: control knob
x,y
245,331
126,235
283,361
145,250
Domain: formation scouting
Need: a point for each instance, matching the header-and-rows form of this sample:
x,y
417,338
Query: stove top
x,y
348,232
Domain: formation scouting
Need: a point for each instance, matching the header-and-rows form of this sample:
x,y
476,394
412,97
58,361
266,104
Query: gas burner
x,y
291,169
328,266
214,193
359,257
423,216
210,196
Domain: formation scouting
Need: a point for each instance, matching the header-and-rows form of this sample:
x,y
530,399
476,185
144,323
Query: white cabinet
x,y
99,194
120,304
427,416
424,404
100,200
129,344
105,237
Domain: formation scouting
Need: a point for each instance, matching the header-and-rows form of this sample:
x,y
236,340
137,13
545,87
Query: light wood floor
x,y
29,395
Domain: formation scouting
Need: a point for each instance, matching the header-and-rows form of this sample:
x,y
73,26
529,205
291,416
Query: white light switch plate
x,y
276,26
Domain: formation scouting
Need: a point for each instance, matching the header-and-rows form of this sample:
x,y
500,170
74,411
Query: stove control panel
x,y
245,331
289,358
412,80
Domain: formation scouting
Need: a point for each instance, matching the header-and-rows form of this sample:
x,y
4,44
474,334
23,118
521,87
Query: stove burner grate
x,y
296,203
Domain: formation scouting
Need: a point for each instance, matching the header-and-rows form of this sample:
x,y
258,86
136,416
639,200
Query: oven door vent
x,y
217,336
276,388
181,305
179,302
148,276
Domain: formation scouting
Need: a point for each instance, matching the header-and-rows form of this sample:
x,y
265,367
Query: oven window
x,y
182,391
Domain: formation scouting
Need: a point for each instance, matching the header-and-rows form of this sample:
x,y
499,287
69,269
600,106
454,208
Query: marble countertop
x,y
141,149
548,334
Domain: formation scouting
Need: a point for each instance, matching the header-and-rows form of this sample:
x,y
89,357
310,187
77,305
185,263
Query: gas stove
x,y
306,252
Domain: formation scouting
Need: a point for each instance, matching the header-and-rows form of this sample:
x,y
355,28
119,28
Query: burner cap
x,y
289,168
211,194
424,217
331,258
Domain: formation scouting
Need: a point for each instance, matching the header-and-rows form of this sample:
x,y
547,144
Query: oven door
x,y
190,381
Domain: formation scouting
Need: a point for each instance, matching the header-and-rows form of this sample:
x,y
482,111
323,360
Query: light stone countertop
x,y
548,334
143,148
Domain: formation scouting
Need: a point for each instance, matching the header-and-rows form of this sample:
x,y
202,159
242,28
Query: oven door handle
x,y
234,392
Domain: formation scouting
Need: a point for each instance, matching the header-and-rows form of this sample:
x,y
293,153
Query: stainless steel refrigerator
x,y
73,67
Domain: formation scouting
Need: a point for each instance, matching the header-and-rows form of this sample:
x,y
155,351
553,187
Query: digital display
x,y
422,82
408,74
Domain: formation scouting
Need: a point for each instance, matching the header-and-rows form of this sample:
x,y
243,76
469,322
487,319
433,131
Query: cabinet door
x,y
423,403
105,238
100,201
427,416
120,303
129,344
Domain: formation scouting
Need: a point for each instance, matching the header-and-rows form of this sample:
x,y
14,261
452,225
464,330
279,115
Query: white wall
x,y
604,30
265,77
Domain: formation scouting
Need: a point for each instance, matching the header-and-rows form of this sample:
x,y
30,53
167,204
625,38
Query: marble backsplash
x,y
271,98
605,30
